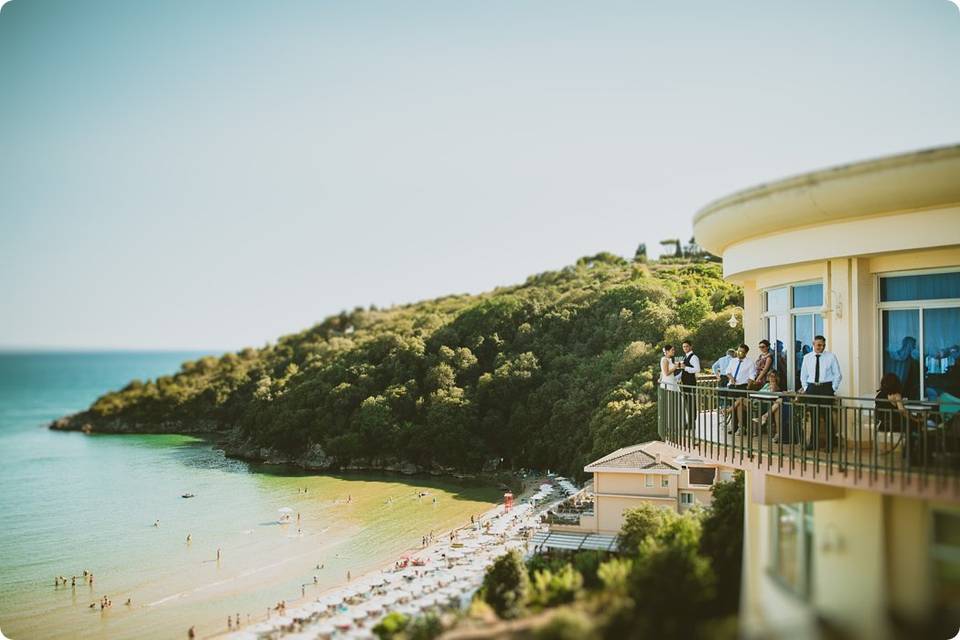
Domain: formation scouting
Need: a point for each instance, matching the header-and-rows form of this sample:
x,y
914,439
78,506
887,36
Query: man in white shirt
x,y
820,378
688,378
720,366
739,374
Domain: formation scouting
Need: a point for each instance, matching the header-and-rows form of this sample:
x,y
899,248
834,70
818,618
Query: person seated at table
x,y
779,412
891,414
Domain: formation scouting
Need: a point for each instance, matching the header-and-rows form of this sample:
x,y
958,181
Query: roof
x,y
574,541
638,457
905,182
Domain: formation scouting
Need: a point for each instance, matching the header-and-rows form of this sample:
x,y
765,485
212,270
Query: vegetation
x,y
547,374
671,579
506,586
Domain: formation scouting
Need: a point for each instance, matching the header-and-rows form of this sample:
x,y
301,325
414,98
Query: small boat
x,y
187,495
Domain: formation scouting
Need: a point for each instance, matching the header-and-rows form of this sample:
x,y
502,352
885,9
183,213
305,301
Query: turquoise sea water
x,y
70,502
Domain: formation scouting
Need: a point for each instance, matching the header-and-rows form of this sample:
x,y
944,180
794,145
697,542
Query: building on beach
x,y
852,524
652,472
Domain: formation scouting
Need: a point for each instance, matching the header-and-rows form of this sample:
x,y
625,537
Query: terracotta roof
x,y
638,456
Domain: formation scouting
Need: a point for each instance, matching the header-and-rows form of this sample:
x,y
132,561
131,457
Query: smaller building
x,y
652,472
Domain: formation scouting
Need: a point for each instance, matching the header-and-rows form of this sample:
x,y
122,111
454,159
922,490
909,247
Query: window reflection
x,y
808,295
901,350
941,352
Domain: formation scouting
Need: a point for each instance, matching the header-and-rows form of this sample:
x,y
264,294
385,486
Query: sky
x,y
211,175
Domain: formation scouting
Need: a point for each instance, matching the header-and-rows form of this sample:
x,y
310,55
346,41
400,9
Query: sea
x,y
112,505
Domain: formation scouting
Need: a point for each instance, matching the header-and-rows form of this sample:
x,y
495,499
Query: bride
x,y
667,369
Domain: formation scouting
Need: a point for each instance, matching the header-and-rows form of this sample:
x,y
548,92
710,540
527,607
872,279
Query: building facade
x,y
853,507
649,473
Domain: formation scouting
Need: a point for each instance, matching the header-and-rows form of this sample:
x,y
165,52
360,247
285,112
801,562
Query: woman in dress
x,y
668,369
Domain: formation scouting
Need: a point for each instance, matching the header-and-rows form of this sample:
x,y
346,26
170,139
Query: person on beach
x,y
189,538
73,581
238,620
129,602
315,581
192,633
218,554
229,623
91,578
348,576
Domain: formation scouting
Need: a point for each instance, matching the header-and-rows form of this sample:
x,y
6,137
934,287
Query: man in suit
x,y
820,378
688,378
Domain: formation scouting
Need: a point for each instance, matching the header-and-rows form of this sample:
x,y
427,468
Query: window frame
x,y
805,549
665,482
648,481
687,494
791,312
908,305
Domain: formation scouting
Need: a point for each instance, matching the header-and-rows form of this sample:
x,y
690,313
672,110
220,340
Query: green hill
x,y
547,374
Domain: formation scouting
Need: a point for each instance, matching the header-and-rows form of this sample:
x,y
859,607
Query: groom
x,y
688,378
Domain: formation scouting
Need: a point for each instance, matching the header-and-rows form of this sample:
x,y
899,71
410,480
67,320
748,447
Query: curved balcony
x,y
909,449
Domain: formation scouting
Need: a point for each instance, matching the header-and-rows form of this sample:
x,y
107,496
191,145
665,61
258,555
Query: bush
x,y
391,626
615,575
566,624
550,589
506,586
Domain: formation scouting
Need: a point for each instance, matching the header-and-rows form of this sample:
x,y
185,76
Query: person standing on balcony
x,y
720,367
820,378
668,369
689,369
740,373
668,381
764,364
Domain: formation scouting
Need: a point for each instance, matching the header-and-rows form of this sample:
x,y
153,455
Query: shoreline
x,y
298,608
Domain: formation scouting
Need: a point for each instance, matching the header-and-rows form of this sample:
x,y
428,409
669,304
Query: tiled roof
x,y
633,457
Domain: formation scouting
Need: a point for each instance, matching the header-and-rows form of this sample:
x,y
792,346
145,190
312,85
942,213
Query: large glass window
x,y
791,546
901,349
920,333
792,318
927,286
808,295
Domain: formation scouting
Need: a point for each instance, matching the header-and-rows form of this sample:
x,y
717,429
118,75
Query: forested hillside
x,y
548,374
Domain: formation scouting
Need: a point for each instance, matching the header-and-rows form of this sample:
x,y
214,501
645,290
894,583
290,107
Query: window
x,y
701,475
791,546
649,481
686,498
920,333
665,481
792,317
945,558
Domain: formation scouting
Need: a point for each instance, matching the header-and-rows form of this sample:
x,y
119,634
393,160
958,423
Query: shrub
x,y
392,625
566,624
550,589
506,585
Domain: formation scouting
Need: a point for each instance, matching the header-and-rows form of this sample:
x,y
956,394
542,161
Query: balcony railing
x,y
912,448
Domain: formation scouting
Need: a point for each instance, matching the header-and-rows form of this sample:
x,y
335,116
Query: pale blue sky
x,y
199,174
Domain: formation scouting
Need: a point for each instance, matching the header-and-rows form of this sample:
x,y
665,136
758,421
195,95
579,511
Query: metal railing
x,y
866,441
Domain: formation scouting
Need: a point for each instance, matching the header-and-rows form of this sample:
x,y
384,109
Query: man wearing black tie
x,y
820,376
688,378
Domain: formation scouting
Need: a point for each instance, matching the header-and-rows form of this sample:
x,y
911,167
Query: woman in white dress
x,y
668,369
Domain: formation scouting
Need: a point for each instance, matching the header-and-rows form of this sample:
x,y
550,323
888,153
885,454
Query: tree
x,y
722,541
641,254
506,585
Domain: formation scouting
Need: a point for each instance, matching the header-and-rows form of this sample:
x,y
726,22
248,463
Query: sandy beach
x,y
444,573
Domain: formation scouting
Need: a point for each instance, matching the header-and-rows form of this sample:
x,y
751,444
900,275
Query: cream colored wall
x,y
849,577
875,234
907,556
634,484
609,509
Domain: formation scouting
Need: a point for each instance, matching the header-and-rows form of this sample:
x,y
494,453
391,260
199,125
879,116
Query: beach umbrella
x,y
285,510
359,614
325,630
342,622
